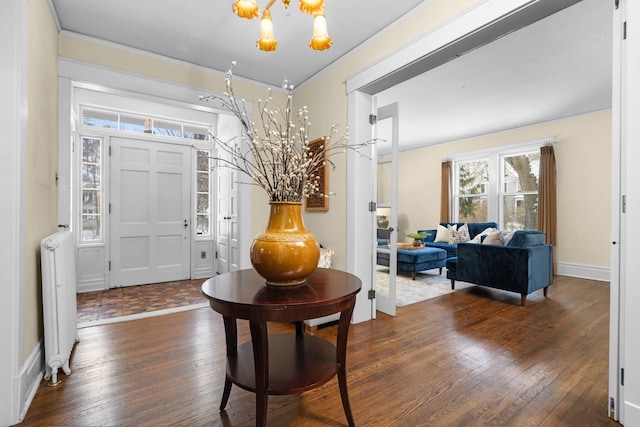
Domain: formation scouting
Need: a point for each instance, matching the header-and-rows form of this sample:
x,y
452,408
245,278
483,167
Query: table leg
x,y
341,356
260,344
231,336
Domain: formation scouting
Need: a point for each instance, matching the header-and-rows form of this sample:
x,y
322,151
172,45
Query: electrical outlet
x,y
203,255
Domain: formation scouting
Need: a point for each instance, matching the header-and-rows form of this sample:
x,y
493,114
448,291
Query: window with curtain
x,y
499,186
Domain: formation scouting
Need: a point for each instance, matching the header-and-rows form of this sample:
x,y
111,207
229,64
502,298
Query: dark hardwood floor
x,y
471,358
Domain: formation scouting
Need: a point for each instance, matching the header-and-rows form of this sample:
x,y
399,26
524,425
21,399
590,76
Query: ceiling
x,y
207,33
557,67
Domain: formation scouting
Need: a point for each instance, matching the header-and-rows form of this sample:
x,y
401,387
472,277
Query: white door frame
x,y
13,120
626,67
616,288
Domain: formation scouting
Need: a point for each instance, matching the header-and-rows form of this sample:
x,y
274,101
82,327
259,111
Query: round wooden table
x,y
280,363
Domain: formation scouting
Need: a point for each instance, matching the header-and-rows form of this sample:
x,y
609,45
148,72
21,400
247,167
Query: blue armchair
x,y
524,265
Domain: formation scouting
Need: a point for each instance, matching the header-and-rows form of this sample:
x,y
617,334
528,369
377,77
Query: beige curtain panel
x,y
547,205
445,195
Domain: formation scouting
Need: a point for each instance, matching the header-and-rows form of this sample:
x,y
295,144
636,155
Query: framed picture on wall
x,y
319,202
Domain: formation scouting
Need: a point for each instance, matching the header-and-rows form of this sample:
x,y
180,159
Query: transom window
x,y
144,124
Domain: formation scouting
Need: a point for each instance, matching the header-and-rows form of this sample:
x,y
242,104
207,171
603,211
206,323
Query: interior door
x,y
227,239
386,134
150,211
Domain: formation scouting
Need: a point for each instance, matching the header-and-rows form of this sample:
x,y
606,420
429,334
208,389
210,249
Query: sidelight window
x,y
91,198
203,194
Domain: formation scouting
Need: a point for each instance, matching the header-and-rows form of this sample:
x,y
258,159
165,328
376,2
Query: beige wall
x,y
583,160
42,158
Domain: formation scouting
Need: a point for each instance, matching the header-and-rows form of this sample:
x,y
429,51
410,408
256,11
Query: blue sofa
x,y
524,265
475,228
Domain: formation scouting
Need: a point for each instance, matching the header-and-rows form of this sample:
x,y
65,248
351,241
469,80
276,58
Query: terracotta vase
x,y
286,253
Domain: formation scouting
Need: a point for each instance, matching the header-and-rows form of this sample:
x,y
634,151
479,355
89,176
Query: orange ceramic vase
x,y
286,253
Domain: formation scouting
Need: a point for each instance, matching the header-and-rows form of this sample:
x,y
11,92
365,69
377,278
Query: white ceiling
x,y
557,67
207,33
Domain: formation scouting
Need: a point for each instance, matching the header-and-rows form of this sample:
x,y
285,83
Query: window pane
x,y
103,119
203,161
91,150
162,127
196,132
91,227
520,173
90,176
134,123
90,201
203,204
520,212
473,177
203,182
202,226
473,209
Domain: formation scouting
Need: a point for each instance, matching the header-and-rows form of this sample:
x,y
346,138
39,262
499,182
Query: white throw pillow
x,y
485,232
442,233
494,238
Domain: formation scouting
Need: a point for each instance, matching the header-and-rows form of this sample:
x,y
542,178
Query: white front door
x,y
150,212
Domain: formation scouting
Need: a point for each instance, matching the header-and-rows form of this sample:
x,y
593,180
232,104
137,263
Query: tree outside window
x,y
520,191
473,180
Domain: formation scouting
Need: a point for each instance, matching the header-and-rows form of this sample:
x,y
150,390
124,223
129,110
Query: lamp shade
x,y
320,39
311,6
267,40
246,9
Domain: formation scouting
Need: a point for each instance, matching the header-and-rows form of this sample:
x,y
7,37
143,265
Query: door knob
x,y
186,224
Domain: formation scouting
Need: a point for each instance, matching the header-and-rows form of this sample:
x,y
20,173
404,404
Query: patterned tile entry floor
x,y
131,300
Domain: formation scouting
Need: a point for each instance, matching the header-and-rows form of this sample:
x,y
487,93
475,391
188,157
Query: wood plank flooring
x,y
471,358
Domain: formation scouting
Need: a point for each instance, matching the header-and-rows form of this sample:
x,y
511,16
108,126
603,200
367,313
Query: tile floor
x,y
125,301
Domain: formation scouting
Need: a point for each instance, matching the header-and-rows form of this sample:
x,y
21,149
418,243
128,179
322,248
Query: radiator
x,y
58,258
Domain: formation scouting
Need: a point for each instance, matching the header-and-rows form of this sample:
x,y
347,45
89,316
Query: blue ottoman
x,y
415,260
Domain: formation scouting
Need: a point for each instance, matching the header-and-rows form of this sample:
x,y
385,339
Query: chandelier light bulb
x,y
320,39
267,41
311,6
246,9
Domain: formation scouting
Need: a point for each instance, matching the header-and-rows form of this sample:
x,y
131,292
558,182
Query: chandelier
x,y
249,9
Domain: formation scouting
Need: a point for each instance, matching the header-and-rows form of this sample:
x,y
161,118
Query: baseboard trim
x,y
584,272
30,377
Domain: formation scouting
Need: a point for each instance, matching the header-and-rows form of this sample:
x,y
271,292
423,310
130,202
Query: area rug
x,y
428,284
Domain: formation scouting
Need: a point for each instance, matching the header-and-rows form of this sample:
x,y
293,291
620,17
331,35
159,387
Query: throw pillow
x,y
442,233
485,232
494,238
460,235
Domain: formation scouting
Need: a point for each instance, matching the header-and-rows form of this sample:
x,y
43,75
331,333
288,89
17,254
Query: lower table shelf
x,y
296,363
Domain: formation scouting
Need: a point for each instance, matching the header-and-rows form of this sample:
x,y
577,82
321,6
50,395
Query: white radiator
x,y
58,257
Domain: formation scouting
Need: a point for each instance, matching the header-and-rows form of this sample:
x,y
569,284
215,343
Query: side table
x,y
280,362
